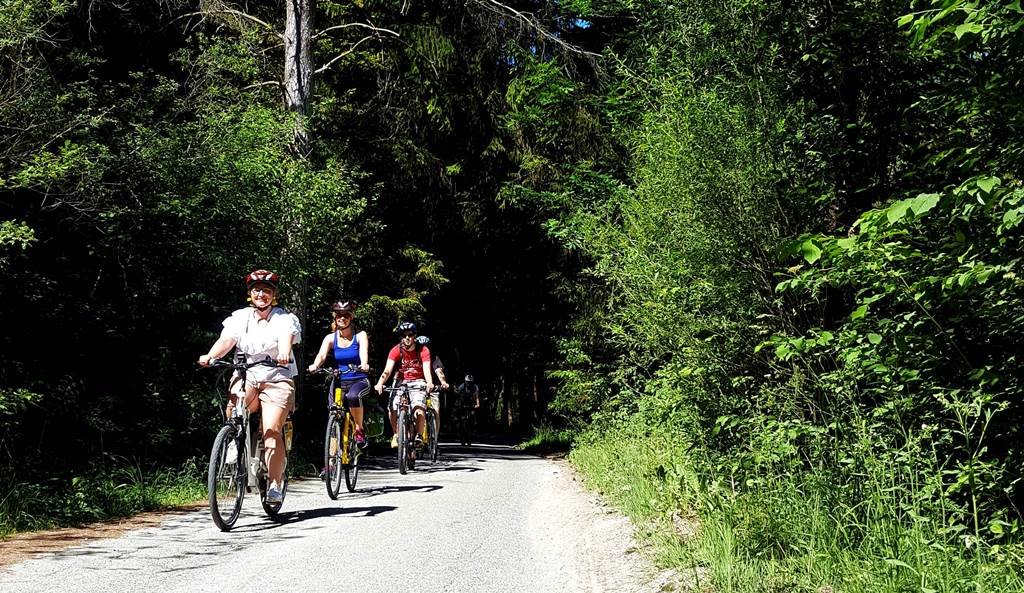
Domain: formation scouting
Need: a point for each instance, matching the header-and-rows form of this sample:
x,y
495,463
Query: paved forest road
x,y
484,519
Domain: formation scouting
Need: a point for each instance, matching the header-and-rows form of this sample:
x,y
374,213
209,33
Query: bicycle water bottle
x,y
337,396
288,435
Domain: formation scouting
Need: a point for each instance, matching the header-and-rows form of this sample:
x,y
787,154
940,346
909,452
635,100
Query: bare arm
x,y
428,374
284,348
364,352
388,367
221,347
321,356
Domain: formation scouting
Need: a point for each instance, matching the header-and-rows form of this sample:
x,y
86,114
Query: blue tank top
x,y
346,356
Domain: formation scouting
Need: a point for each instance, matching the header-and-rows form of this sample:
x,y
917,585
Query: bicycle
x,y
341,428
406,428
230,474
430,428
465,405
464,421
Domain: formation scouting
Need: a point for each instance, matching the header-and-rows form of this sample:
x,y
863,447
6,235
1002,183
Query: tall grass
x,y
112,490
788,532
547,439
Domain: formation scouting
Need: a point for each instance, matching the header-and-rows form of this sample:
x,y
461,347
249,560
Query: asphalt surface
x,y
482,519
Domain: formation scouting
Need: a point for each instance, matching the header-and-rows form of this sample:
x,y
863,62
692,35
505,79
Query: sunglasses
x,y
342,316
408,335
261,290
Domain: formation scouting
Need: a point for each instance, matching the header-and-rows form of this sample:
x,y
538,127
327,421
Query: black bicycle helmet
x,y
406,326
344,307
423,341
469,378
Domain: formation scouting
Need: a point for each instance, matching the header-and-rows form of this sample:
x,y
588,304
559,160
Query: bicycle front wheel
x,y
403,442
226,478
332,456
272,508
351,466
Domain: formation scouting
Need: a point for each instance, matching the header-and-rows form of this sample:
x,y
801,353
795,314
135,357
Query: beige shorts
x,y
277,393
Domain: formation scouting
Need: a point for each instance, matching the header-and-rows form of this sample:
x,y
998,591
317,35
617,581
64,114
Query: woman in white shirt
x,y
259,331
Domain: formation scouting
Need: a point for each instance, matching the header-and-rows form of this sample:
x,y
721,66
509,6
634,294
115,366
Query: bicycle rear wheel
x,y
332,456
351,457
403,442
226,481
432,437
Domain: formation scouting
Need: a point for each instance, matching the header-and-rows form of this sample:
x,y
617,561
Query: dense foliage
x,y
810,302
771,247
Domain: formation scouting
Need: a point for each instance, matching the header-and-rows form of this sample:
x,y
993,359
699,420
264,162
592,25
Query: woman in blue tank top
x,y
350,352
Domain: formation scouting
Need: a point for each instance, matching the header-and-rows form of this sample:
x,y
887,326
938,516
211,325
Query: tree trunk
x,y
298,68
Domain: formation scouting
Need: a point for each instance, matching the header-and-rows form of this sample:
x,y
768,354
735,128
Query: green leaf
x,y
859,312
897,211
967,28
875,338
904,20
846,243
810,251
987,184
923,203
900,563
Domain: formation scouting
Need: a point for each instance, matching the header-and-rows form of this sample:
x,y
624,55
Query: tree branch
x,y
347,25
276,83
342,54
238,13
532,22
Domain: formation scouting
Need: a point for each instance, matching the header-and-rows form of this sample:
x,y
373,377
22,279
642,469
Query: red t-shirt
x,y
410,365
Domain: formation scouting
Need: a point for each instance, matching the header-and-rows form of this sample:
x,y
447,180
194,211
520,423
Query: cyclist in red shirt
x,y
413,362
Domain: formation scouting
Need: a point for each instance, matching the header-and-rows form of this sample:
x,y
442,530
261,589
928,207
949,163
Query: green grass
x,y
117,490
786,533
546,440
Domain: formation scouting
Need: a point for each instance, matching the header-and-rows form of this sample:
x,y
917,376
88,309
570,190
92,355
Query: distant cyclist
x,y
347,349
438,368
467,397
260,331
413,362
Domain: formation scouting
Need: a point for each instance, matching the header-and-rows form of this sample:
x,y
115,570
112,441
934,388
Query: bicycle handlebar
x,y
336,372
220,362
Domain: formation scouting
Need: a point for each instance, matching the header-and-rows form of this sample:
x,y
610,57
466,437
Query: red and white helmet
x,y
262,276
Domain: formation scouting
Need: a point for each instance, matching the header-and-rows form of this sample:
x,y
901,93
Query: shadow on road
x,y
307,514
390,489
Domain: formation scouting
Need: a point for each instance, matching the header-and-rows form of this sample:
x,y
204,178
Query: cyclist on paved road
x,y
348,349
438,368
468,398
259,331
414,370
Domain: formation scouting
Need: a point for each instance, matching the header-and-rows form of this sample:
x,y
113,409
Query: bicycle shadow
x,y
377,490
290,517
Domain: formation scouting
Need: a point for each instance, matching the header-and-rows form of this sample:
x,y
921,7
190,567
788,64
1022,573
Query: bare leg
x,y
273,441
420,421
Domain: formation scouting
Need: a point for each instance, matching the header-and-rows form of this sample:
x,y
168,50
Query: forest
x,y
753,263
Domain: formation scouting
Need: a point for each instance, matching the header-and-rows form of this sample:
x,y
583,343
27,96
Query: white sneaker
x,y
232,454
274,493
